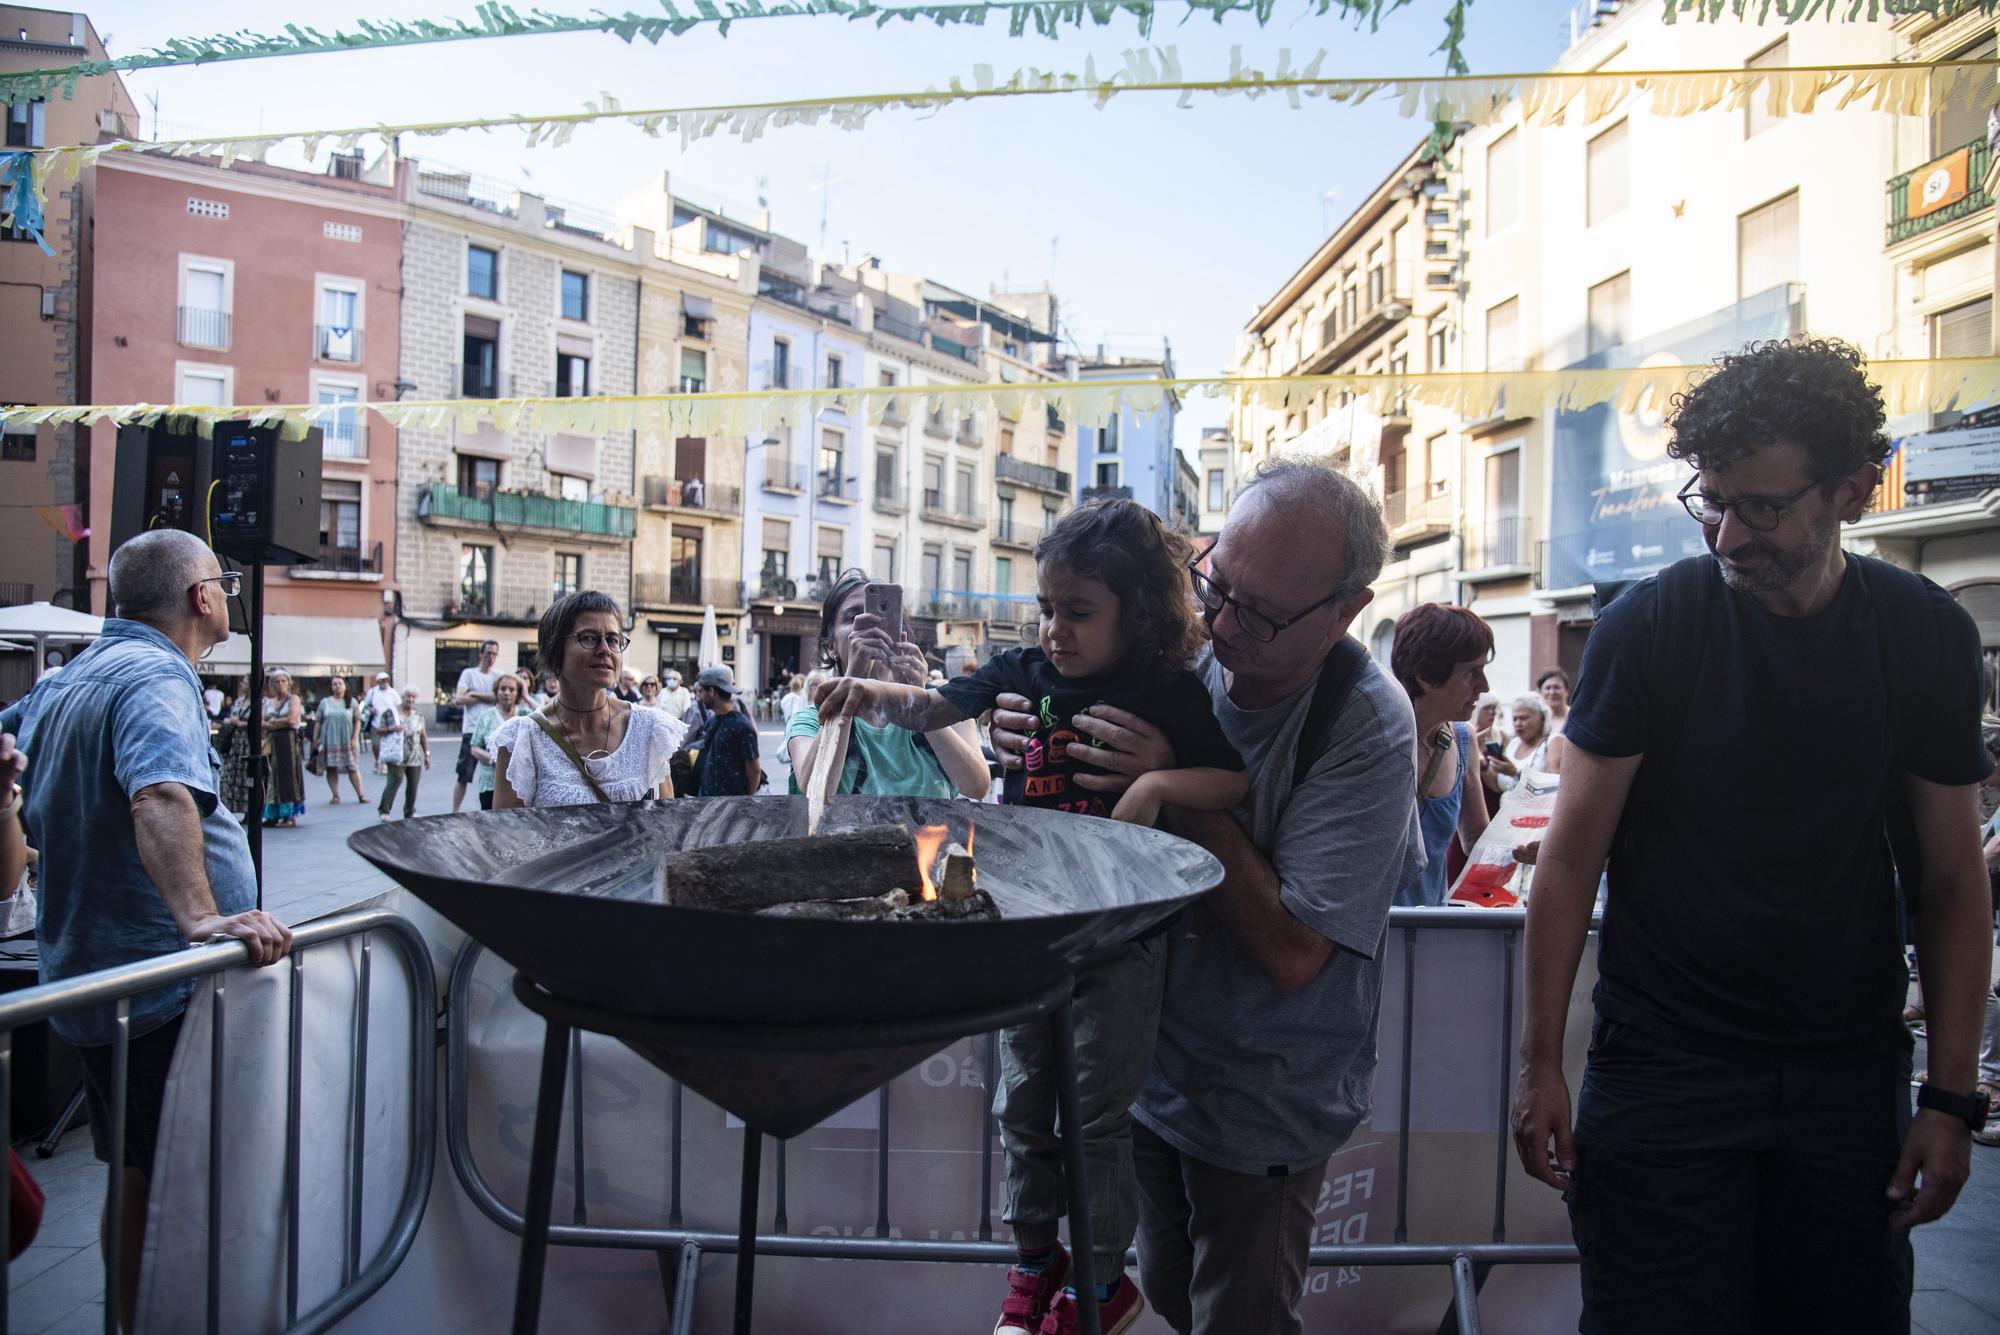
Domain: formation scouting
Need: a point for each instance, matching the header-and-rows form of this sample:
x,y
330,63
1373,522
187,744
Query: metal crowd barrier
x,y
681,1248
119,985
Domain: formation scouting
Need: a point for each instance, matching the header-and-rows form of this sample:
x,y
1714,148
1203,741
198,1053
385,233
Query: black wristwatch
x,y
1971,1107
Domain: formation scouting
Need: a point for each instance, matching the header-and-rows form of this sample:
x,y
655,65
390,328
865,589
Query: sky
x,y
1153,222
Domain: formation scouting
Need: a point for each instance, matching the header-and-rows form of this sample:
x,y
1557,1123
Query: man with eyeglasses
x,y
1744,1156
475,696
1266,1053
139,856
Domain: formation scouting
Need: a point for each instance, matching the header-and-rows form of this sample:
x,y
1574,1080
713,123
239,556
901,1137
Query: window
x,y
482,272
1500,541
569,486
1503,336
833,369
339,515
1215,497
475,578
777,551
575,295
961,571
1963,331
1958,115
691,463
206,384
476,476
888,378
832,469
684,565
340,431
933,568
205,301
1767,247
1440,344
781,364
694,370
933,484
1757,116
1503,183
17,447
830,544
885,475
479,373
1608,175
1107,439
572,376
1006,440
338,336
1378,278
1003,574
27,125
569,575
968,489
1107,473
883,567
1610,313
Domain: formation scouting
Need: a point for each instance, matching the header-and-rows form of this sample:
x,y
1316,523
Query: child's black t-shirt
x,y
1173,700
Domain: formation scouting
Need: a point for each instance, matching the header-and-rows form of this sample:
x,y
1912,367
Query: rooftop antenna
x,y
1053,242
153,99
763,190
1325,199
825,187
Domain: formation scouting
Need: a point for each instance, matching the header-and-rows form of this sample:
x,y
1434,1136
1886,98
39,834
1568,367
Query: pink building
x,y
256,285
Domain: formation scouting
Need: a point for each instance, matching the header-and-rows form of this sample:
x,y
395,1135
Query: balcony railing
x,y
335,560
781,476
334,343
344,435
834,487
968,431
890,497
967,605
903,329
935,425
478,381
693,493
961,511
440,502
1417,513
1098,493
1936,193
200,327
1007,468
16,594
1013,533
1499,545
953,348
892,414
656,589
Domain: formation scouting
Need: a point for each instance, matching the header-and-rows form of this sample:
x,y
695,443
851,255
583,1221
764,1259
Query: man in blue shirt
x,y
139,856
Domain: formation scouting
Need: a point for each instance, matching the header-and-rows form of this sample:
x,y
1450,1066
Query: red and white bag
x,y
1493,877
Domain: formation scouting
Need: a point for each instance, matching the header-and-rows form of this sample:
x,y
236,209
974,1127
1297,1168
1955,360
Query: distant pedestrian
x,y
380,702
507,704
474,696
339,740
232,743
731,762
649,692
675,698
1440,655
406,749
628,687
284,719
139,858
1553,687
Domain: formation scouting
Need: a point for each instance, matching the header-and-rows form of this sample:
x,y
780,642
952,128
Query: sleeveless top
x,y
1438,818
542,776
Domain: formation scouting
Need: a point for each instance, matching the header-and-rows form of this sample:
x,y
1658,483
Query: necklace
x,y
574,710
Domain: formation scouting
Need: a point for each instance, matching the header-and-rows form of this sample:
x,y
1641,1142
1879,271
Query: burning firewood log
x,y
853,864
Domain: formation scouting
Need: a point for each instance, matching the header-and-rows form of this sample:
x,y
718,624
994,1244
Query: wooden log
x,y
853,864
848,910
829,762
975,907
955,879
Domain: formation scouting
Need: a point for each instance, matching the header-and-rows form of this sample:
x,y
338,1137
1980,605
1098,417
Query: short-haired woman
x,y
587,745
1534,747
286,801
1440,655
507,692
406,755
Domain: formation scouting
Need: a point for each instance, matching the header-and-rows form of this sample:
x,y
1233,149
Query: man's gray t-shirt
x,y
1246,1077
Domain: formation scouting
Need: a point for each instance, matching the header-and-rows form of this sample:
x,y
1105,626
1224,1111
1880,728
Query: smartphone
x,y
1495,750
886,602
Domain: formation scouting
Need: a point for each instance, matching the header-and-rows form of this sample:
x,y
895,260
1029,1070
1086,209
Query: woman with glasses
x,y
586,745
286,801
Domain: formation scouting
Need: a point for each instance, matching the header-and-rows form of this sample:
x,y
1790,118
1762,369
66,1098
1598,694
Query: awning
x,y
307,647
699,308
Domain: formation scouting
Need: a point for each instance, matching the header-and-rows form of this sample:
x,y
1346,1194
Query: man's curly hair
x,y
1810,391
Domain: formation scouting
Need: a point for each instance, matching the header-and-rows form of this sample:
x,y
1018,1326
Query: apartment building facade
x,y
1132,454
45,319
1216,461
507,294
249,286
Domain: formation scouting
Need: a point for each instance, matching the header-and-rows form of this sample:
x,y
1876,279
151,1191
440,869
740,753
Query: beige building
x,y
45,331
1378,297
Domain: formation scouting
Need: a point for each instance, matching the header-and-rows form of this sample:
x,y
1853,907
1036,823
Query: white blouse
x,y
542,776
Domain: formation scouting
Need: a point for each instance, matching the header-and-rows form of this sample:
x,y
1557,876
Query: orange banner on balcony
x,y
1940,184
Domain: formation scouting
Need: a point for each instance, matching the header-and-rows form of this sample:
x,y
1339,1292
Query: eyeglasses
x,y
1760,513
590,641
1255,624
232,583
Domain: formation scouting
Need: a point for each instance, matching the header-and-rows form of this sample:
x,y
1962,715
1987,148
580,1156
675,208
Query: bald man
x,y
140,857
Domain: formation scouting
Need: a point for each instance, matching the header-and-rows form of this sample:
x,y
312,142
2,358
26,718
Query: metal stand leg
x,y
541,1180
1062,1045
47,1145
746,1228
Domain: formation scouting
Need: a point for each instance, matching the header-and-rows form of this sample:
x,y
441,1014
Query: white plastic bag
x,y
1493,877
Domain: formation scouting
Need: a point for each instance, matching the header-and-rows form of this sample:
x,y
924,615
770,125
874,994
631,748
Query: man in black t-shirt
x,y
1744,1155
731,759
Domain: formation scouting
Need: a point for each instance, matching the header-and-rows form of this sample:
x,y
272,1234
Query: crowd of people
x,y
1742,1152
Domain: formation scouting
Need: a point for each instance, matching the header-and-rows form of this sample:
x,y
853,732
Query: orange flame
x,y
971,832
930,842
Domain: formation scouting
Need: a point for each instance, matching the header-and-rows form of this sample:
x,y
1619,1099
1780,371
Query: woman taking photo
x,y
339,740
506,704
587,745
232,743
885,761
1534,747
286,801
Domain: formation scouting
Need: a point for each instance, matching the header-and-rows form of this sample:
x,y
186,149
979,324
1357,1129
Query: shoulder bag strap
x,y
1329,694
569,749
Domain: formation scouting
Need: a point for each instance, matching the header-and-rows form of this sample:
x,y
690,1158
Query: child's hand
x,y
1140,805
